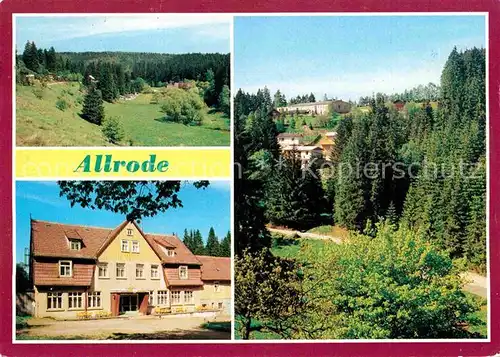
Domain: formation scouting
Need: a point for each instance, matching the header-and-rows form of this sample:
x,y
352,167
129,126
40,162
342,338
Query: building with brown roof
x,y
93,270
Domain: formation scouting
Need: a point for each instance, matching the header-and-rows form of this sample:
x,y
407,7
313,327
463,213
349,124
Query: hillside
x,y
40,123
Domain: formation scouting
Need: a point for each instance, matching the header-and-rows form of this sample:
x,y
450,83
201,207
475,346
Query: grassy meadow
x,y
40,123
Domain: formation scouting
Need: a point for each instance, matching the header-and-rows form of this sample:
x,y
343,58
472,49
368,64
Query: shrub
x,y
61,104
113,130
183,107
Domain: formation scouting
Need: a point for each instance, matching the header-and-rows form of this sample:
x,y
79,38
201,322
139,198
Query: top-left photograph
x,y
131,80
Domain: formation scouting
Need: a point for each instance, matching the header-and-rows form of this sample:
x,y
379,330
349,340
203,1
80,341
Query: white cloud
x,y
80,26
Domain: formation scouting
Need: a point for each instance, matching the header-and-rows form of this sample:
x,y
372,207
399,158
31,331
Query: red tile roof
x,y
50,239
215,268
172,276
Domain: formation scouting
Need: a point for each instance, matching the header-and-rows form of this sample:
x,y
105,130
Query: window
x,y
220,306
75,300
176,297
139,271
54,301
130,232
135,246
183,272
65,268
170,252
102,271
154,272
162,297
75,244
125,245
216,286
120,270
188,297
151,297
94,299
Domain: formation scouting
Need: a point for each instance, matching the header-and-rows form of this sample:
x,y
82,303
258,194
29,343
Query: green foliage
x,y
30,56
213,246
406,288
182,106
294,196
61,104
93,109
225,100
113,130
225,245
267,289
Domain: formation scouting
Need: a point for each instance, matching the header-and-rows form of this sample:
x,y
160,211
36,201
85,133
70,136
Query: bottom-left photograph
x,y
122,260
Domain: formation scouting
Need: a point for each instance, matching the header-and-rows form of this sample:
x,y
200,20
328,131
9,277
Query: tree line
x,y
383,186
214,247
419,94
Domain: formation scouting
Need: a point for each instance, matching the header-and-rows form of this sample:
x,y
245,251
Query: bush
x,y
183,107
61,104
113,130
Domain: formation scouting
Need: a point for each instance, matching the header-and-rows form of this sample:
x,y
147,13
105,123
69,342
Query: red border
x,y
317,349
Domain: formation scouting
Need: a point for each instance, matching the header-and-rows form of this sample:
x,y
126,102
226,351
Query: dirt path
x,y
306,235
147,327
477,284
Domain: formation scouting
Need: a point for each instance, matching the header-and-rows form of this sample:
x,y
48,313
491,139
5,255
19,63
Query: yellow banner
x,y
158,163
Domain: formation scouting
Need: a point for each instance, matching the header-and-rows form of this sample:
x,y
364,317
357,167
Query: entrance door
x,y
128,303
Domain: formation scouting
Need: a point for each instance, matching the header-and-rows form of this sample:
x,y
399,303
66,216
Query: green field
x,y
40,123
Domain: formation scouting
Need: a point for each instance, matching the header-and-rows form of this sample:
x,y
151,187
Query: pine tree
x,y
225,246
30,56
93,109
198,247
213,247
188,239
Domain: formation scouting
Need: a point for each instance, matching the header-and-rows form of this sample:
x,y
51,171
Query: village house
x,y
327,143
77,269
399,104
318,108
305,152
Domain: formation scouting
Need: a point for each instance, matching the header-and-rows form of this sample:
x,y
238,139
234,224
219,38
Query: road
x,y
287,232
476,284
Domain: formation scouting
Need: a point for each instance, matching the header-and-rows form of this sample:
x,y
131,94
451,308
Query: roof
x,y
50,239
326,141
215,268
47,273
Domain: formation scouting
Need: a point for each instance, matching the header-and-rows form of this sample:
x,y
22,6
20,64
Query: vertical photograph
x,y
122,260
360,172
122,80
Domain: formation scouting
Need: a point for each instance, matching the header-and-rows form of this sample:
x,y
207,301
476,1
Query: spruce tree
x,y
198,247
225,246
30,56
212,248
93,109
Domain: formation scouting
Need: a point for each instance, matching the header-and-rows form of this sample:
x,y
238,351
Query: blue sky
x,y
202,209
347,56
163,33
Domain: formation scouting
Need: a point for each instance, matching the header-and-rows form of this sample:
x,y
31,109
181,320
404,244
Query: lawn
x,y
332,231
40,123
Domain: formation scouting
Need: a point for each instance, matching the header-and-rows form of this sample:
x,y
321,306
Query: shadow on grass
x,y
174,335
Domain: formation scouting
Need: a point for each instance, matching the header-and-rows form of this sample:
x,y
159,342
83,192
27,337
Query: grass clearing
x,y
332,231
40,123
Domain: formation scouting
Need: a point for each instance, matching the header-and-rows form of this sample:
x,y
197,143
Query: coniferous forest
x,y
409,188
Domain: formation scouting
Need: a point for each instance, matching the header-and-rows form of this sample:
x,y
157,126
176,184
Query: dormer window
x,y
75,244
169,251
130,232
183,272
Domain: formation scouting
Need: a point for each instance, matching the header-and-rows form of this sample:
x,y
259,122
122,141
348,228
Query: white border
x,y
232,16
